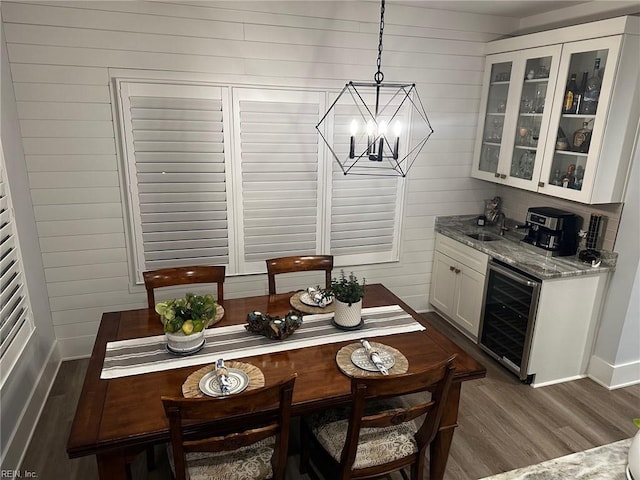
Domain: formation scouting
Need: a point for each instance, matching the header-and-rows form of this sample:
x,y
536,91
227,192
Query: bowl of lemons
x,y
185,320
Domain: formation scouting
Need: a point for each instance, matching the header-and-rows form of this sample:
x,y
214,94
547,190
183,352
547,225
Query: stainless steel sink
x,y
483,237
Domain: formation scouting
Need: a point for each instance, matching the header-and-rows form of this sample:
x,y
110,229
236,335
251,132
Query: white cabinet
x,y
525,135
457,284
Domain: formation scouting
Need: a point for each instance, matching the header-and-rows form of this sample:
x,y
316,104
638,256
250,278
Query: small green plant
x,y
637,422
347,289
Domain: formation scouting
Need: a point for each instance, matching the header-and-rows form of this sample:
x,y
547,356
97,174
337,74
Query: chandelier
x,y
371,125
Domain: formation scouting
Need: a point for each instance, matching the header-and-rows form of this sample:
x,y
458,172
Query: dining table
x,y
118,418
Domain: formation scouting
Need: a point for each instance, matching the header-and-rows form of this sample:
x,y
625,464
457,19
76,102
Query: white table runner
x,y
149,354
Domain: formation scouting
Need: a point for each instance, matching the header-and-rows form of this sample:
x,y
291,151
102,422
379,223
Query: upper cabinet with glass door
x,y
519,87
571,112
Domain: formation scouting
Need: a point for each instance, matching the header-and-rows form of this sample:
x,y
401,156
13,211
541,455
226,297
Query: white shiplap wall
x,y
63,55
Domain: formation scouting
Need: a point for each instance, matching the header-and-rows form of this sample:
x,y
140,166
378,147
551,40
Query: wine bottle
x,y
579,95
582,139
592,90
569,95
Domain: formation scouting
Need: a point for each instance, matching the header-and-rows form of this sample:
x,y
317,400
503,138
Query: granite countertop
x,y
509,250
607,462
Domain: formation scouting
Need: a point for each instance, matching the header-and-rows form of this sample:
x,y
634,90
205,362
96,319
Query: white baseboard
x,y
556,381
79,347
613,376
29,419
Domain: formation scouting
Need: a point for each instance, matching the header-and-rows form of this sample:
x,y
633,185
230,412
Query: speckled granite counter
x,y
607,462
508,249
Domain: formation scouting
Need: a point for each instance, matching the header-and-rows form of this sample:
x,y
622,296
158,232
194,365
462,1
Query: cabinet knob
x,y
497,175
457,270
541,184
502,175
452,268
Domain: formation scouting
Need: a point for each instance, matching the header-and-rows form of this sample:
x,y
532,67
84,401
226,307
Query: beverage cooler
x,y
508,317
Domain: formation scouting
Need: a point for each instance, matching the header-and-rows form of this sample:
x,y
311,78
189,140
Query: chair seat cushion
x,y
252,462
376,446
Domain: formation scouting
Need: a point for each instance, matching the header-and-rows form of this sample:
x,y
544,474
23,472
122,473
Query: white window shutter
x,y
278,148
16,322
366,210
175,153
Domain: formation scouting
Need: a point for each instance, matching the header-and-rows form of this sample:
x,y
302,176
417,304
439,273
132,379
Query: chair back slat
x,y
169,277
293,264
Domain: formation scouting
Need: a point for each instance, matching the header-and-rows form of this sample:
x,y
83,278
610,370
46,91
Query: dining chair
x,y
379,433
298,264
168,277
255,449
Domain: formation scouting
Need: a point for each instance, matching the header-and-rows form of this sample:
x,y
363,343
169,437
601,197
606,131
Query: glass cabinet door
x,y
579,113
532,122
495,117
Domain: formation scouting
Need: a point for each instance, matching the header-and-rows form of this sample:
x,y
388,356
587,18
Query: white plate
x,y
238,381
361,360
307,300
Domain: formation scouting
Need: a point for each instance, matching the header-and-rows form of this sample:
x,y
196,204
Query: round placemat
x,y
304,308
191,389
346,366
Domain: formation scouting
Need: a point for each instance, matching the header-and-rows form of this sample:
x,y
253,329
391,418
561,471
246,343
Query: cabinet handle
x,y
457,270
502,175
452,268
497,175
541,184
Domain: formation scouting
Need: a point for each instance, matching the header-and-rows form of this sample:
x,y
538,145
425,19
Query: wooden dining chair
x,y
378,434
255,449
168,277
298,264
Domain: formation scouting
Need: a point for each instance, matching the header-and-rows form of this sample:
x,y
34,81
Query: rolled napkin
x,y
374,356
223,376
315,294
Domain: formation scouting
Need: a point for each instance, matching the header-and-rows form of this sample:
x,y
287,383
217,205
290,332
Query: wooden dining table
x,y
118,418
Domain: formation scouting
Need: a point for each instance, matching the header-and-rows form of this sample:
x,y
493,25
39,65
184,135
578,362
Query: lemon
x,y
187,327
198,326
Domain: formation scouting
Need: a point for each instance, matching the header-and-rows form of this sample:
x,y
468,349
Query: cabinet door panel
x,y
468,301
443,283
570,166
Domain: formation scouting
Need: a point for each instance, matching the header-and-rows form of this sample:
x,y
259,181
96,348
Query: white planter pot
x,y
180,343
346,315
634,457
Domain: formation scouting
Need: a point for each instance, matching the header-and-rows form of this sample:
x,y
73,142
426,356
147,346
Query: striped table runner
x,y
149,354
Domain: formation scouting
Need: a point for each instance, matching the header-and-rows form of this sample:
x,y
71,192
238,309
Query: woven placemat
x,y
346,366
304,308
191,388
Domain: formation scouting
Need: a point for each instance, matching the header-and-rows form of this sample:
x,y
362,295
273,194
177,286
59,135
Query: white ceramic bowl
x,y
179,342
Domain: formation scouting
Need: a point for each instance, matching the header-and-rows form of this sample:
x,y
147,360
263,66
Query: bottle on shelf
x,y
582,139
569,179
592,91
579,95
569,95
556,180
579,176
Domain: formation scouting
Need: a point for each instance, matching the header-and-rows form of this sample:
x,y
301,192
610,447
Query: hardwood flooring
x,y
503,424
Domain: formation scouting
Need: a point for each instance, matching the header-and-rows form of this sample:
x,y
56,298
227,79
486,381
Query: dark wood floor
x,y
503,423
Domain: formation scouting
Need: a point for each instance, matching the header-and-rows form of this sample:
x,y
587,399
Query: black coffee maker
x,y
553,230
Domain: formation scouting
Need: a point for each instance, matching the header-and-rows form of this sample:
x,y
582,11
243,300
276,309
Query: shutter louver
x,y
16,324
176,138
278,146
364,208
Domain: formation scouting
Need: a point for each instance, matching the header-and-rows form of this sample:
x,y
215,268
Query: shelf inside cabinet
x,y
505,82
525,147
569,152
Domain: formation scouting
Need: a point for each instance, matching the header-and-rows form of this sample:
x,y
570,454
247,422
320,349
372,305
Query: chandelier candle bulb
x,y
352,141
370,145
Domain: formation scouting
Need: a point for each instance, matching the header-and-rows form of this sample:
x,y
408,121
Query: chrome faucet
x,y
502,223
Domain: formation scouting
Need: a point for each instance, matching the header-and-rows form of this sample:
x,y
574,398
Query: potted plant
x,y
185,319
633,466
348,293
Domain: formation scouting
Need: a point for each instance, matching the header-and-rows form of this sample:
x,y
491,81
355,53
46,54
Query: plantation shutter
x,y
366,210
175,151
16,322
279,160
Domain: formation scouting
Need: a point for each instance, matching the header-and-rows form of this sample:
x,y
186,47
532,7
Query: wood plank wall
x,y
64,54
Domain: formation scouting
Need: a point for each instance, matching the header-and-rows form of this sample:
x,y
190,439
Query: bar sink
x,y
483,237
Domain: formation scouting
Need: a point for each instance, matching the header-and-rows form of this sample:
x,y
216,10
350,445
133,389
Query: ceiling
x,y
505,8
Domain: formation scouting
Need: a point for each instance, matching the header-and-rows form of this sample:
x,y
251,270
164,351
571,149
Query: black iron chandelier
x,y
381,120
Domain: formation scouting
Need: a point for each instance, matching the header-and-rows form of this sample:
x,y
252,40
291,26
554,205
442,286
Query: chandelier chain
x,y
379,76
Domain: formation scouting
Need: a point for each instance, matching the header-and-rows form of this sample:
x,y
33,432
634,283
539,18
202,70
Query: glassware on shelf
x,y
569,178
582,138
592,91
